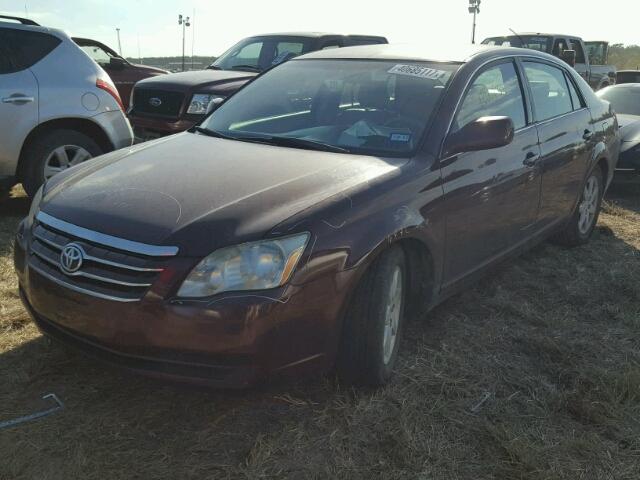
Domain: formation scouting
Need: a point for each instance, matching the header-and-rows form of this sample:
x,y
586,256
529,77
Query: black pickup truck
x,y
176,102
588,58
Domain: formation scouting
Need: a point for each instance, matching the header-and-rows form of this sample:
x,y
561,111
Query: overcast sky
x,y
217,25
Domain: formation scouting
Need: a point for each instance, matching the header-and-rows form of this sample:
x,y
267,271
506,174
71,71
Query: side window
x,y
97,54
549,89
559,46
575,45
286,51
495,92
576,99
7,63
28,48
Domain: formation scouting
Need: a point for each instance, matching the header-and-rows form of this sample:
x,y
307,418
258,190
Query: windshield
x,y
358,106
534,42
624,100
259,53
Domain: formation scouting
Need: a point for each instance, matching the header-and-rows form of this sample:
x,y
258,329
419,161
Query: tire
x,y
53,152
584,219
376,308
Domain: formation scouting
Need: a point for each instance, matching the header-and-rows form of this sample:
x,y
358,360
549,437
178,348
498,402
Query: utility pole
x,y
474,7
184,21
119,45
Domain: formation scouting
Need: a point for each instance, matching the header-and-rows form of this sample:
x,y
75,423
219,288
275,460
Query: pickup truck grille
x,y
105,272
157,102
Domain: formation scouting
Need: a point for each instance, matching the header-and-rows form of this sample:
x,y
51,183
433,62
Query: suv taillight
x,y
101,84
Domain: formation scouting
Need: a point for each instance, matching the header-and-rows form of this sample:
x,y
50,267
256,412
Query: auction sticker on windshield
x,y
418,71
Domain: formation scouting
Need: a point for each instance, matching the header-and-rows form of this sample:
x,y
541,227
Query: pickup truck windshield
x,y
356,106
534,42
259,53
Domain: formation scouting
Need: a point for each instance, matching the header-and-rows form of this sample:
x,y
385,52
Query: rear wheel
x,y
54,152
373,323
582,223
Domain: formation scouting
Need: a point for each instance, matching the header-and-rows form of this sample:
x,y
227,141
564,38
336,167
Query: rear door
x,y
18,94
492,195
565,132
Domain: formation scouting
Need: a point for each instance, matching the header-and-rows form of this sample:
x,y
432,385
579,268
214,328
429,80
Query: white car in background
x,y
58,108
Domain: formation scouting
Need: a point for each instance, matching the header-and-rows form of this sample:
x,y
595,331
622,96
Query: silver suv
x,y
58,108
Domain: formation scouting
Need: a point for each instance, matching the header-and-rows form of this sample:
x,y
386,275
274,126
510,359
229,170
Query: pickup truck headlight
x,y
249,266
200,102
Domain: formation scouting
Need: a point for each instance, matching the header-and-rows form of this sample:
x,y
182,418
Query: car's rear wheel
x,y
584,219
373,322
54,152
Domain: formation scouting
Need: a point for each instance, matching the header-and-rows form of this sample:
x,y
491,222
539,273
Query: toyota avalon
x,y
300,225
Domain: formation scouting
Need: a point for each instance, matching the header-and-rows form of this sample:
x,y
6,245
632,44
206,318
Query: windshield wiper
x,y
294,142
212,133
214,67
252,68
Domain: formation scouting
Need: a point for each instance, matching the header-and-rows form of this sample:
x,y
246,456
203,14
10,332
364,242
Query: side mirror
x,y
569,56
484,133
214,104
117,63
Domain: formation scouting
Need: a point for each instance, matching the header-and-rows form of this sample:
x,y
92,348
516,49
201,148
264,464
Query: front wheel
x,y
584,219
373,323
54,152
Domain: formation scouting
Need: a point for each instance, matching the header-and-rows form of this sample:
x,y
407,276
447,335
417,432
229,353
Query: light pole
x,y
474,7
184,21
119,45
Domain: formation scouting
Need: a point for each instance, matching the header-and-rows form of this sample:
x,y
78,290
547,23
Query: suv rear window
x,y
27,48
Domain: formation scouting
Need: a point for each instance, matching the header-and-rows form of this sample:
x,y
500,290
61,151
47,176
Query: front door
x,y
18,103
491,196
565,132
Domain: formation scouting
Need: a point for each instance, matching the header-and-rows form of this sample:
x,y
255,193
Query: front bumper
x,y
629,160
231,341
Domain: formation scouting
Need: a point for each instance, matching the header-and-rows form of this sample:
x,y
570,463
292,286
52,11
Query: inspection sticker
x,y
418,71
400,137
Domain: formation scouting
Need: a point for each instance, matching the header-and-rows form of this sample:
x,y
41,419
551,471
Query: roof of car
x,y
32,28
312,35
625,85
541,34
452,53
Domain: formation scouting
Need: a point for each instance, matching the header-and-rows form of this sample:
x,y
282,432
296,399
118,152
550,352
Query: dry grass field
x,y
551,341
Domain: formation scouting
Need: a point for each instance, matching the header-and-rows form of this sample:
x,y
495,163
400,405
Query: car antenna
x,y
519,37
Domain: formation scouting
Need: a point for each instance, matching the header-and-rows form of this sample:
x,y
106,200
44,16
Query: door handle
x,y
18,99
587,135
531,159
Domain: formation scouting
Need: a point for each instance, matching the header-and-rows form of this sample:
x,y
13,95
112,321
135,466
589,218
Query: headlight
x,y
200,102
250,266
35,204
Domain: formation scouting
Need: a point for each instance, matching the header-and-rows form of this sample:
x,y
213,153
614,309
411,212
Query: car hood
x,y
148,69
629,131
200,193
200,79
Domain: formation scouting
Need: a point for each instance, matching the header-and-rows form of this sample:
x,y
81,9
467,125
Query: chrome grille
x,y
108,270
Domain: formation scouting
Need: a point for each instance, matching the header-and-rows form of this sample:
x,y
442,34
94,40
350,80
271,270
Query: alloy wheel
x,y
392,314
589,205
64,157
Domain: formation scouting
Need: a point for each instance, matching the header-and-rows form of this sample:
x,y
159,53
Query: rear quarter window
x,y
27,48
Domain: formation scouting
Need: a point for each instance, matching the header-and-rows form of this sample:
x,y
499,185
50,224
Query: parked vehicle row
x,y
323,204
588,58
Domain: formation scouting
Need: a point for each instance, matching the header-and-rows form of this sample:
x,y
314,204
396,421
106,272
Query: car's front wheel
x,y
373,323
54,152
584,219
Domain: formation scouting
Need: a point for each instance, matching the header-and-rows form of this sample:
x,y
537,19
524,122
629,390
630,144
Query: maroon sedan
x,y
303,221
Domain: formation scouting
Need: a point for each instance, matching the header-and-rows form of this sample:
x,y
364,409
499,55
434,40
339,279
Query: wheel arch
x,y
83,125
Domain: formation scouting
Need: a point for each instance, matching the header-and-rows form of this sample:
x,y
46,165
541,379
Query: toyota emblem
x,y
155,102
71,258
